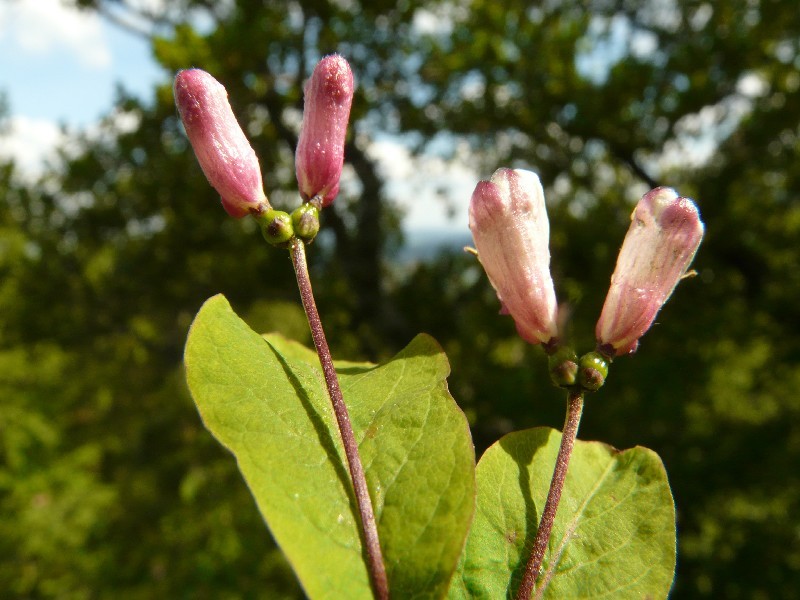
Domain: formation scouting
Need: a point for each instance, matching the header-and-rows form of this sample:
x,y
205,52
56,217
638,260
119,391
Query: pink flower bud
x,y
320,150
664,235
509,224
224,154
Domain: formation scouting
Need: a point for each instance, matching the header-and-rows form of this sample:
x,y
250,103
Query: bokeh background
x,y
110,486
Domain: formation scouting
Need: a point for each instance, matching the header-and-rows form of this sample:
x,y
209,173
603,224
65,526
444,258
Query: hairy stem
x,y
573,419
369,528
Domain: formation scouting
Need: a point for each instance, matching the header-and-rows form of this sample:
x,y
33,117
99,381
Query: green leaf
x,y
296,352
264,399
614,533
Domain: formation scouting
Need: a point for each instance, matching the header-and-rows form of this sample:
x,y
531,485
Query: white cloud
x,y
427,22
440,20
31,143
34,144
393,156
432,192
152,6
752,85
45,27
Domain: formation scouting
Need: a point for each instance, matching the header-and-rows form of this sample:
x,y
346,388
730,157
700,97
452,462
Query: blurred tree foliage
x,y
110,486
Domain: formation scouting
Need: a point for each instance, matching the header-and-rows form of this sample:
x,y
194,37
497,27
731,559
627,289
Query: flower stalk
x,y
568,436
232,168
367,523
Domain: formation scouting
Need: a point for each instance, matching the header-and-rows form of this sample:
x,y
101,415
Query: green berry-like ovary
x,y
592,371
305,220
276,227
563,367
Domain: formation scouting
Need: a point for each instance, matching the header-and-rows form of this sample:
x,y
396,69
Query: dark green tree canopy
x,y
108,483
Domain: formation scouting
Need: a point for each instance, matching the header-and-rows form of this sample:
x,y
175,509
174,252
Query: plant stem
x,y
369,528
573,419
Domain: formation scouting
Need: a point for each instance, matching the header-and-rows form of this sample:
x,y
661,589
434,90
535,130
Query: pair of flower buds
x,y
230,163
509,224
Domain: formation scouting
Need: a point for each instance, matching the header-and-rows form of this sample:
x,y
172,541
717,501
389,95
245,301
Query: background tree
x,y
108,482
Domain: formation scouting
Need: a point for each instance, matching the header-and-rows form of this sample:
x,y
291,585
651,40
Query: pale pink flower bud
x,y
224,154
664,235
509,224
320,149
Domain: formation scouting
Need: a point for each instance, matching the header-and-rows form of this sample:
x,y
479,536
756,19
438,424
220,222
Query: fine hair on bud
x,y
222,149
663,237
320,149
509,225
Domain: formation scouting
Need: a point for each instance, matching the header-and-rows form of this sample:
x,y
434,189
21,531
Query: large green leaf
x,y
614,533
264,399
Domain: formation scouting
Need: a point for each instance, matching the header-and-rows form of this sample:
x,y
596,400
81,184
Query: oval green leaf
x,y
614,533
265,400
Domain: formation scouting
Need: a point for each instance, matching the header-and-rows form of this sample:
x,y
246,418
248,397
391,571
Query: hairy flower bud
x,y
224,154
664,235
320,149
509,224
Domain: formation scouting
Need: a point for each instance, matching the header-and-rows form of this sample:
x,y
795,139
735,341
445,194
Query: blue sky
x,y
60,67
63,65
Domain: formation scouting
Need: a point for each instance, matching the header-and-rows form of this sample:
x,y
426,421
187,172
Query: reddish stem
x,y
573,419
368,526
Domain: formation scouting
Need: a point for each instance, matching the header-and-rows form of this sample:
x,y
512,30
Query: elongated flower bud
x,y
224,154
320,150
664,235
509,224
